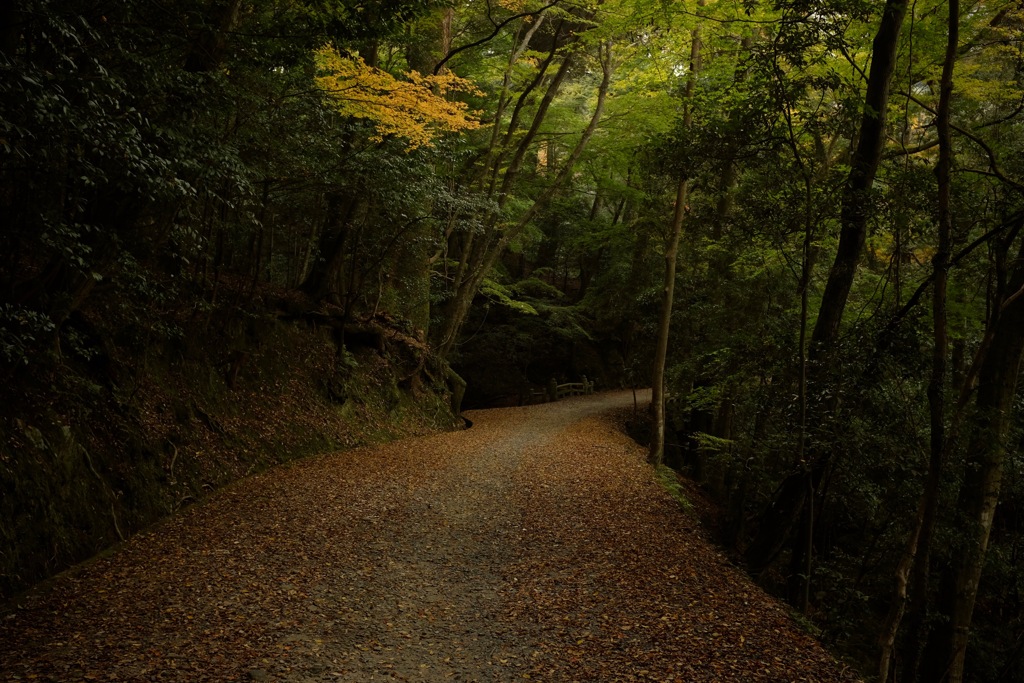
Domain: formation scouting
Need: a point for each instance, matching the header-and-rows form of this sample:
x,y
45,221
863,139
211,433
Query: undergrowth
x,y
668,479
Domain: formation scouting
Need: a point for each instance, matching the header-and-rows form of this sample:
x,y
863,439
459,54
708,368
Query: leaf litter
x,y
534,546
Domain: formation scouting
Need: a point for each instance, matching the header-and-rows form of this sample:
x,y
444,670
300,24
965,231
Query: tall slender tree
x,y
778,520
656,452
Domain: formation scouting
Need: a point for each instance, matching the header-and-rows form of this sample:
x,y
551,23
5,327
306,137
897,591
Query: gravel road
x,y
533,546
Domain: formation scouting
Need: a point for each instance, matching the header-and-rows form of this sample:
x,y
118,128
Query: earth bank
x,y
139,418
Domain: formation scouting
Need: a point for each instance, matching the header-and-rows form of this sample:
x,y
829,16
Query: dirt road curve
x,y
534,546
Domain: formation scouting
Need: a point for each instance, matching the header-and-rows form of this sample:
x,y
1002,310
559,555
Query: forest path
x,y
534,546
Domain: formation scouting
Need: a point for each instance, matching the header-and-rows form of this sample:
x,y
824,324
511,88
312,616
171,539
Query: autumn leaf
x,y
417,109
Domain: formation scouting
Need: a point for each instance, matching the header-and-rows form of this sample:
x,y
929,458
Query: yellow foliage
x,y
416,109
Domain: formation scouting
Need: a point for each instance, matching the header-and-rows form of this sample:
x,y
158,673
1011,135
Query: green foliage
x,y
535,288
21,331
568,322
503,295
668,478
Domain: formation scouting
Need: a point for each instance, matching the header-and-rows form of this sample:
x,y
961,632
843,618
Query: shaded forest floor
x,y
534,546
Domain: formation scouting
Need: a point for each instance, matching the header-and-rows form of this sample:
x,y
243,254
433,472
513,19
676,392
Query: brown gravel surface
x,y
534,546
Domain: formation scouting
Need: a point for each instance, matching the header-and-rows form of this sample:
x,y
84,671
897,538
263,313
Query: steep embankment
x,y
534,546
140,418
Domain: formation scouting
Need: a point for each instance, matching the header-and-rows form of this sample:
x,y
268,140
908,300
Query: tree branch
x,y
993,164
497,29
886,335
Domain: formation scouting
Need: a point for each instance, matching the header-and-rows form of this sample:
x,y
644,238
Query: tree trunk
x,y
919,546
802,560
607,68
207,53
322,278
493,161
506,87
517,159
856,193
898,606
656,453
486,255
778,520
430,40
656,450
476,258
997,384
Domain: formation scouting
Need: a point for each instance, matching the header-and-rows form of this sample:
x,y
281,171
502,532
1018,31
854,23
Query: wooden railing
x,y
556,391
573,389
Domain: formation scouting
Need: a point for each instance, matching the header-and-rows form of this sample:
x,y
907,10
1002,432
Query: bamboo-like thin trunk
x,y
656,450
656,454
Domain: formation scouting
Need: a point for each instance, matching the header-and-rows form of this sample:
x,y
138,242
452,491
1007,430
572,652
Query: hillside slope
x,y
142,417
